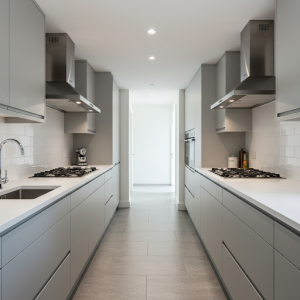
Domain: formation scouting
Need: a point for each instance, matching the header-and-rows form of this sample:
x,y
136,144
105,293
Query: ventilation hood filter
x,y
257,68
60,76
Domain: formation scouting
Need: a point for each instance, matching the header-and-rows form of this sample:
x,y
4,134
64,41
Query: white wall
x,y
46,146
276,144
152,133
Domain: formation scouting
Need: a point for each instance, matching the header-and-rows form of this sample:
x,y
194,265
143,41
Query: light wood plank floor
x,y
152,252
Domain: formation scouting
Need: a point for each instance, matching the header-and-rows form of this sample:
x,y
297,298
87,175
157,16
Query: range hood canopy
x,y
258,83
60,76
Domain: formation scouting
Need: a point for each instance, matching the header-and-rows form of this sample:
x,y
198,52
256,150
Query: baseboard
x,y
152,181
180,206
124,204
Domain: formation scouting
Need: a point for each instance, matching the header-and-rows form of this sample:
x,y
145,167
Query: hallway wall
x,y
152,144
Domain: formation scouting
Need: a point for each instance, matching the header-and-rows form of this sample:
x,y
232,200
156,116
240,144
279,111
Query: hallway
x,y
150,251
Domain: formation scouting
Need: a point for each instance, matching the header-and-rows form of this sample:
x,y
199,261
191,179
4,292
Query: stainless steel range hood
x,y
257,85
60,76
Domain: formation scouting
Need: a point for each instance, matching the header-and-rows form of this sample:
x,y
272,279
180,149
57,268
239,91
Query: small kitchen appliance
x,y
244,173
80,157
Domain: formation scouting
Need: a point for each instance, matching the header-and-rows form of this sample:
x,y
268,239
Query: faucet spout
x,y
5,179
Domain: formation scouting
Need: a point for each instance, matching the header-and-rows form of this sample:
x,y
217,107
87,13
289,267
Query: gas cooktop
x,y
65,172
244,173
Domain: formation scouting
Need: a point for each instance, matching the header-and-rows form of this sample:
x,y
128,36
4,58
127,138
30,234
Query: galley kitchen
x,y
149,150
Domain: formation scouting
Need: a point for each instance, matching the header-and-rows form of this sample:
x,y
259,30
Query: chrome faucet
x,y
5,179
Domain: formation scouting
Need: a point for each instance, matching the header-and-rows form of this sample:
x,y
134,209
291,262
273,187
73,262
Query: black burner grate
x,y
243,173
66,172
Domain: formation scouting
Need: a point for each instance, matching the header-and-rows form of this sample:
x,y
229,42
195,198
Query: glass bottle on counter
x,y
245,163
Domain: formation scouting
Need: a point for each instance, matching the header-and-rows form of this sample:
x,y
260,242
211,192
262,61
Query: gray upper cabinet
x,y
27,57
4,52
227,78
189,106
287,59
85,85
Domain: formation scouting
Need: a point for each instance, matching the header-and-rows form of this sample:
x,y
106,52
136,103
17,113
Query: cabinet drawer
x,y
190,180
27,273
253,254
78,196
79,221
286,279
79,256
95,184
236,281
21,237
189,203
59,286
211,227
212,188
288,244
108,189
197,211
260,223
108,174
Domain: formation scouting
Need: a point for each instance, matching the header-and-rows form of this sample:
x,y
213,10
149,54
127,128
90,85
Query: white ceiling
x,y
112,36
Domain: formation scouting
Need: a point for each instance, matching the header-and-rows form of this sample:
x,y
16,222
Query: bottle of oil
x,y
245,163
241,156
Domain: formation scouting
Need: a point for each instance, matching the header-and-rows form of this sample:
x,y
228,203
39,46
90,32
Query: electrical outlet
x,y
253,154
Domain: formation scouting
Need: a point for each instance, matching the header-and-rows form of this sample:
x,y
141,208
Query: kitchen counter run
x,y
279,198
13,212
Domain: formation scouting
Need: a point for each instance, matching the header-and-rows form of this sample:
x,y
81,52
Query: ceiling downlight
x,y
151,31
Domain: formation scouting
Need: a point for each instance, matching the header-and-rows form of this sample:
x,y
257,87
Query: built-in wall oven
x,y
190,149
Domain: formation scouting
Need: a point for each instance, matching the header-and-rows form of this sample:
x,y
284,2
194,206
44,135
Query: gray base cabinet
x,y
190,180
59,285
236,281
96,217
287,279
25,275
79,256
254,255
211,227
197,213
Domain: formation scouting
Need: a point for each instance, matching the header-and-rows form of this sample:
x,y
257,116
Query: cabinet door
x,y
286,279
96,217
211,227
253,254
108,189
79,256
107,212
4,52
190,180
197,212
27,273
116,179
116,124
59,285
79,221
27,57
236,281
287,56
189,106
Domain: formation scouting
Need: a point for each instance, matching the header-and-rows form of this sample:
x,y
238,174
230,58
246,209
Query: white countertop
x,y
278,197
14,211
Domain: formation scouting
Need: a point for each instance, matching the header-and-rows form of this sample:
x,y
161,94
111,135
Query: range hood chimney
x,y
60,76
257,85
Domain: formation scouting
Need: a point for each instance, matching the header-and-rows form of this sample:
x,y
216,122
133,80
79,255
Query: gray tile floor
x,y
152,252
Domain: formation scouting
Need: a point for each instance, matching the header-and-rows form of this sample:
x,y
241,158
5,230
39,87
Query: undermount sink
x,y
26,193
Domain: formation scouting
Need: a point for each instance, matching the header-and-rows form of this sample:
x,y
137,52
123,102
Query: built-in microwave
x,y
189,142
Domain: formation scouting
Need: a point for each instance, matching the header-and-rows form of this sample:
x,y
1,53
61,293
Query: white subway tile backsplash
x,y
45,146
277,144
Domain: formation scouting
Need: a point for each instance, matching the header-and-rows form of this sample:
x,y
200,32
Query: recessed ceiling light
x,y
221,106
151,57
78,102
151,31
231,100
90,110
